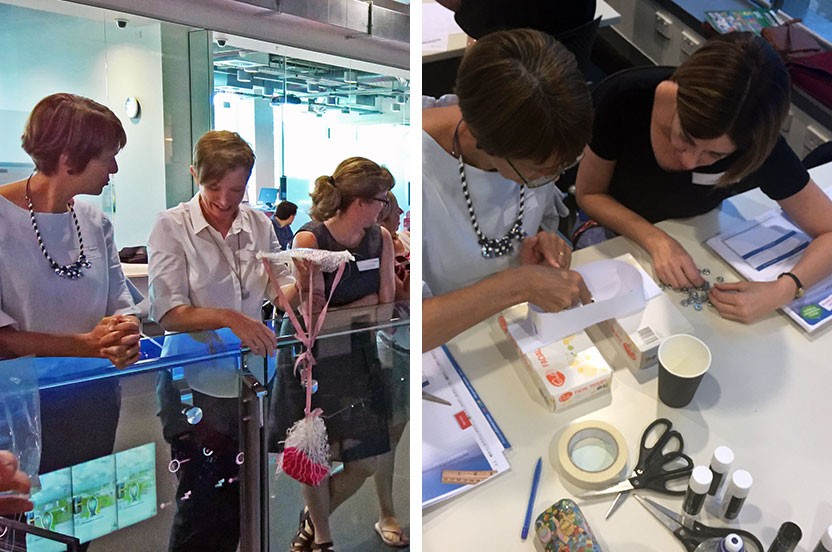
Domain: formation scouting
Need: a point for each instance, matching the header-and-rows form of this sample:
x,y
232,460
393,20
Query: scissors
x,y
655,468
699,537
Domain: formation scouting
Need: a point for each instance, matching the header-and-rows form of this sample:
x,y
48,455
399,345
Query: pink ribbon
x,y
306,337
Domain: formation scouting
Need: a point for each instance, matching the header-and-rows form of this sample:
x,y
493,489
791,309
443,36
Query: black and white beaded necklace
x,y
71,271
491,247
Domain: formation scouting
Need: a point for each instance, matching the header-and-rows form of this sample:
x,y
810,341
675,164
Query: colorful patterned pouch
x,y
562,528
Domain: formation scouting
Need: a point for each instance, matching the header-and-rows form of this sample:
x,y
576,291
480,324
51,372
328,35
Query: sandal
x,y
323,547
392,536
305,536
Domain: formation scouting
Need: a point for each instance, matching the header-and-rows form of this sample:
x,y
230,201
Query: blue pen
x,y
535,482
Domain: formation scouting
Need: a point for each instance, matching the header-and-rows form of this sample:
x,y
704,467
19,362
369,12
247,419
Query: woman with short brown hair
x,y
489,164
674,143
62,291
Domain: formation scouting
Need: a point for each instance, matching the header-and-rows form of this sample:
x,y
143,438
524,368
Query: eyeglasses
x,y
382,200
543,180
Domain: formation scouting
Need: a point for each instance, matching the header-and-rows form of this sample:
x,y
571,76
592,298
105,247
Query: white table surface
x,y
457,39
767,396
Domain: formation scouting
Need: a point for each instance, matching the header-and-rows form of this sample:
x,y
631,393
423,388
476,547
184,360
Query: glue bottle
x,y
698,485
825,544
731,543
720,465
738,489
787,538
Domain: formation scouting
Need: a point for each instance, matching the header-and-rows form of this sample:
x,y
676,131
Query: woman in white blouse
x,y
62,291
203,276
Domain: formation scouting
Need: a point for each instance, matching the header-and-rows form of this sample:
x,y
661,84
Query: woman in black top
x,y
674,143
345,208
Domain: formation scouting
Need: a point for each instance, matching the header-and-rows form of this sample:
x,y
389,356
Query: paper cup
x,y
683,360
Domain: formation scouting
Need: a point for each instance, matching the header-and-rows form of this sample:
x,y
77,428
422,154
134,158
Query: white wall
x,y
42,53
134,68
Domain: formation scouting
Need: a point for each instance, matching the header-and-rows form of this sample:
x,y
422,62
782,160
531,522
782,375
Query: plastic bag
x,y
20,414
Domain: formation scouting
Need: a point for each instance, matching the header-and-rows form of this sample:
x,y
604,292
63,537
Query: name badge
x,y
368,264
705,179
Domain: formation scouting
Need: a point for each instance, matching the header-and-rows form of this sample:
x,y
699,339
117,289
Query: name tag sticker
x,y
368,264
705,179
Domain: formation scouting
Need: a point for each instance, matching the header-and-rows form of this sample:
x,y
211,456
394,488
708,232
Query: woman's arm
x,y
811,209
672,264
252,333
386,271
553,289
115,338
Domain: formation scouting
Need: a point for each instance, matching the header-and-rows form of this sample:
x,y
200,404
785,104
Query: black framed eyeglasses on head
x,y
546,179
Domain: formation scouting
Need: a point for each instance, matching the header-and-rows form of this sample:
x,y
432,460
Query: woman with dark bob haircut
x,y
489,163
673,143
62,291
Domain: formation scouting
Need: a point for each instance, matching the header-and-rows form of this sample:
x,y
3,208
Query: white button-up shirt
x,y
190,263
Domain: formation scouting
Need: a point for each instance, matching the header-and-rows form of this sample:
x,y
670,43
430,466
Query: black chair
x,y
818,156
579,41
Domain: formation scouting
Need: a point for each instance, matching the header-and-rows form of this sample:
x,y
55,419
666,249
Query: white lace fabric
x,y
327,261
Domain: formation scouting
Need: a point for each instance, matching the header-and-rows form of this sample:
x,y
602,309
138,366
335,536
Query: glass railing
x,y
173,451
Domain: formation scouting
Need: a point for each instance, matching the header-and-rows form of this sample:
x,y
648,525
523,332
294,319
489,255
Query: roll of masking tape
x,y
592,454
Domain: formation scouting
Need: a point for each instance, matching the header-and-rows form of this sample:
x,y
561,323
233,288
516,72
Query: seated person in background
x,y
488,170
673,143
284,216
480,17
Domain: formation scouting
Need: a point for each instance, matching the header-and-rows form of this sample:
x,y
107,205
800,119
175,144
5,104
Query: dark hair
x,y
285,209
218,153
734,85
72,125
523,97
353,178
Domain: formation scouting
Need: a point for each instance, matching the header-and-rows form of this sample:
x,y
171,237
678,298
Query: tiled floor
x,y
352,523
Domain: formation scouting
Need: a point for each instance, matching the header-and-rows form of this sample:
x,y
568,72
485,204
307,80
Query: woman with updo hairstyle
x,y
345,209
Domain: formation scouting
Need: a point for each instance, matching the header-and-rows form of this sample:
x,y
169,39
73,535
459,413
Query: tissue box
x,y
567,371
634,340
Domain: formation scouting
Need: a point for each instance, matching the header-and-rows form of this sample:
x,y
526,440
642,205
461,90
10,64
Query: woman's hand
x,y
402,282
546,248
747,301
254,334
12,479
554,289
672,264
116,338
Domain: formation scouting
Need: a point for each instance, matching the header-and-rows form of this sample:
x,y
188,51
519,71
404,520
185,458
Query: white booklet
x,y
462,437
762,248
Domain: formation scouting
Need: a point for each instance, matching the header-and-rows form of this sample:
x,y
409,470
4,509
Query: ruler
x,y
460,477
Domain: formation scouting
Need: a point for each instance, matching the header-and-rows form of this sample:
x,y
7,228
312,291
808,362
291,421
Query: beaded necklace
x,y
71,271
491,248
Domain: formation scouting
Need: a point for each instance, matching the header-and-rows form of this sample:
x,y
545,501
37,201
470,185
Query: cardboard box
x,y
634,340
565,372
